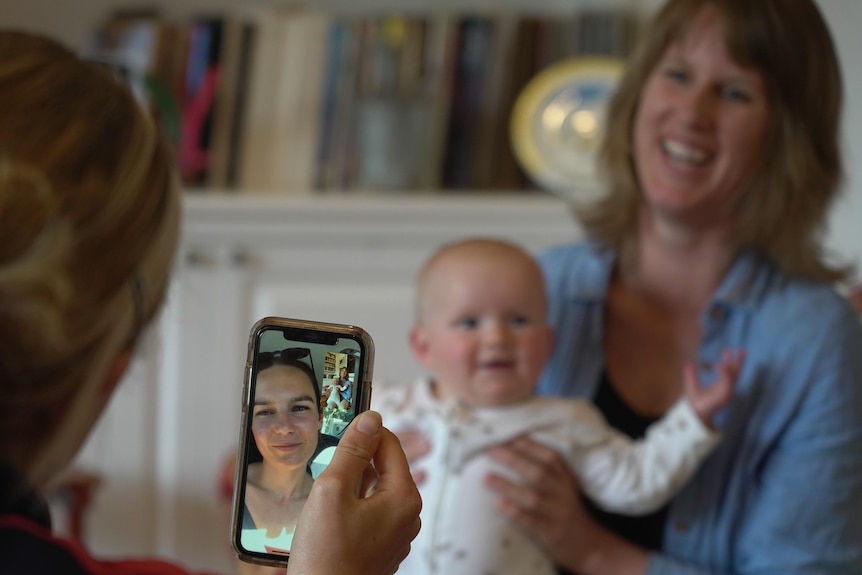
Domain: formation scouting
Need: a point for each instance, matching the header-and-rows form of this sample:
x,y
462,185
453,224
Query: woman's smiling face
x,y
700,128
286,418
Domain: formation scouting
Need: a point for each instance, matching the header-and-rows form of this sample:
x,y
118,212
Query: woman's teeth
x,y
682,153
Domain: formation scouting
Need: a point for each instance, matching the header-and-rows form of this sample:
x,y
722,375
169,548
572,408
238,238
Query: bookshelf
x,y
336,96
332,364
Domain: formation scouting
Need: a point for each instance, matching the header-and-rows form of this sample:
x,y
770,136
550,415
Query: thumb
x,y
691,382
356,447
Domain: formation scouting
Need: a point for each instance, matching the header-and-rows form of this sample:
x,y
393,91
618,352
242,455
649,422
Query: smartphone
x,y
304,382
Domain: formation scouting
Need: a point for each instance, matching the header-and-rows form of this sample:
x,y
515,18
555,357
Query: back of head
x,y
89,219
785,208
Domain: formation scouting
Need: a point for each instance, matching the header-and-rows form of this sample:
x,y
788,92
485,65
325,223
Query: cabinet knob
x,y
243,258
197,258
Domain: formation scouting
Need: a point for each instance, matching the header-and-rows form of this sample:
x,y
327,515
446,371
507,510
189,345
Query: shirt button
x,y
681,526
716,313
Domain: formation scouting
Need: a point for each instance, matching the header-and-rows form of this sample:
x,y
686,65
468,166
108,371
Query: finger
x,y
732,360
535,511
395,479
419,476
738,361
369,481
525,448
690,380
531,461
414,444
356,448
730,366
391,461
527,518
512,491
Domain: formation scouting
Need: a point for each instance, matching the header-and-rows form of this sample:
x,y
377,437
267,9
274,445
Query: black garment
x,y
647,530
23,551
17,497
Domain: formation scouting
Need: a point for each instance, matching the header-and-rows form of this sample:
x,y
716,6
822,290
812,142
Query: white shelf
x,y
391,221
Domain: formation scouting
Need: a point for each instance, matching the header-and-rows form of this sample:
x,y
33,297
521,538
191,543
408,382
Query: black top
x,y
18,497
26,545
646,530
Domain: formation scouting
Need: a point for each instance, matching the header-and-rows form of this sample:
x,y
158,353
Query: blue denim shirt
x,y
782,494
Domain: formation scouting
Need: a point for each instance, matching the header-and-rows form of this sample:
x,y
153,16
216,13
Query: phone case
x,y
277,427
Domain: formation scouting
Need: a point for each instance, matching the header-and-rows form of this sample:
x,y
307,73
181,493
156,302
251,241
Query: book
x,y
238,119
392,112
440,54
495,103
337,76
202,78
281,130
473,53
228,106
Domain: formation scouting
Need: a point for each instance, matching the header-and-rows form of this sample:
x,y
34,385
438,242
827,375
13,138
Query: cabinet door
x,y
199,394
119,519
367,287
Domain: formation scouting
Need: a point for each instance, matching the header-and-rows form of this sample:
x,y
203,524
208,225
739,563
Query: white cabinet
x,y
346,259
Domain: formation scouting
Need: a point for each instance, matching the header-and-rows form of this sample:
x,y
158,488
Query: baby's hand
x,y
706,401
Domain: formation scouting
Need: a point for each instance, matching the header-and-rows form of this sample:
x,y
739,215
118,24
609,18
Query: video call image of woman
x,y
337,392
285,444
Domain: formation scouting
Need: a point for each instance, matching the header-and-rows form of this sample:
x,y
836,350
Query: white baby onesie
x,y
462,531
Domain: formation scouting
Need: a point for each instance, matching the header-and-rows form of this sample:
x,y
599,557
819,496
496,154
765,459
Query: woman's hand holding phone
x,y
359,518
288,430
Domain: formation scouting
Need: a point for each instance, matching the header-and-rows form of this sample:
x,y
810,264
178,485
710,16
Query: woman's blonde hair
x,y
89,221
783,213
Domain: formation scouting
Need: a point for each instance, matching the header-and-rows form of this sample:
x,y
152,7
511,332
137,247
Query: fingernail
x,y
369,423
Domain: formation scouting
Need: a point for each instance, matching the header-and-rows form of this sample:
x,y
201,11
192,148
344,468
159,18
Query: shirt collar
x,y
589,284
745,283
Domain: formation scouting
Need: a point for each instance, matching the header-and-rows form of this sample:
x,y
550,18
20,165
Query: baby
x,y
332,392
481,331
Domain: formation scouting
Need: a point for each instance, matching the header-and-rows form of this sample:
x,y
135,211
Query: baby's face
x,y
484,333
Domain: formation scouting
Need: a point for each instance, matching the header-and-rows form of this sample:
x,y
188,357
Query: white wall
x,y
845,229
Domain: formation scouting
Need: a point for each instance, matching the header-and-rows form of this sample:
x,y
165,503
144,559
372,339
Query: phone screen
x,y
305,382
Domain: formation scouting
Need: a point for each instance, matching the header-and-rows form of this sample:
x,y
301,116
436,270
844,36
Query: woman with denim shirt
x,y
722,160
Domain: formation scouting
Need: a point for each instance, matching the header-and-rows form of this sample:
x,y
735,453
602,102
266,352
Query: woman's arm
x,y
806,515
